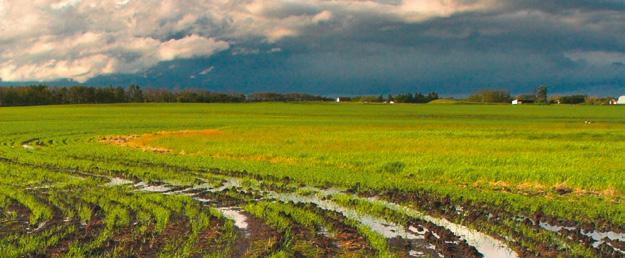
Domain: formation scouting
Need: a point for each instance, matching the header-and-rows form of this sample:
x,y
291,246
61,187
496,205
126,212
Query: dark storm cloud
x,y
516,46
321,46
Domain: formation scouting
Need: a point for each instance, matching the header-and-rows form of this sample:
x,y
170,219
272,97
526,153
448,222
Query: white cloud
x,y
191,46
84,56
80,39
207,70
597,58
65,4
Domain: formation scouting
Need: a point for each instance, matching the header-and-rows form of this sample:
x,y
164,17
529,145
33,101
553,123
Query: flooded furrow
x,y
486,245
235,214
598,237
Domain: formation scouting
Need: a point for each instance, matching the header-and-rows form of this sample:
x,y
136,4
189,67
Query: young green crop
x,y
55,162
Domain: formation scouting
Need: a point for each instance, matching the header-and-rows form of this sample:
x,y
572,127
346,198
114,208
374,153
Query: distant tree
x,y
266,96
368,99
420,98
527,98
490,96
134,93
108,95
541,94
404,98
120,95
43,95
597,100
303,97
573,99
79,95
432,96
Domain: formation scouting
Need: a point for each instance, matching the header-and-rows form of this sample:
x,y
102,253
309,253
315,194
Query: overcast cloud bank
x,y
452,43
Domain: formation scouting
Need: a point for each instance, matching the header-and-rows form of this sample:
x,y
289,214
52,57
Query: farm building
x,y
621,100
523,99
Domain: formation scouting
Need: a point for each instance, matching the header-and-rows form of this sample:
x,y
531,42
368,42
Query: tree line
x,y
540,96
45,95
399,98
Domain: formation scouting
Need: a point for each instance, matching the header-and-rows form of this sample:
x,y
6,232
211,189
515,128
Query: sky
x,y
319,46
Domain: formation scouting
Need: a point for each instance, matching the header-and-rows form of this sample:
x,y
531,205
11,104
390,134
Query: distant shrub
x,y
447,101
367,99
597,100
415,98
573,99
491,96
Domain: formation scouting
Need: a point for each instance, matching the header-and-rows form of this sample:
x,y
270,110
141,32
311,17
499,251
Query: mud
x,y
437,207
261,241
408,241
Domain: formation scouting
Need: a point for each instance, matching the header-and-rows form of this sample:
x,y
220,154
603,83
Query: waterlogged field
x,y
313,180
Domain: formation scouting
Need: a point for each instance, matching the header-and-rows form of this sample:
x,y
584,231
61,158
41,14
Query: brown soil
x,y
18,224
142,142
208,240
346,242
259,240
83,234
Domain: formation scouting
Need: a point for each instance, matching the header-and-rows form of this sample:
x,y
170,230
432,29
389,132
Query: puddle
x,y
230,183
234,213
38,228
598,237
380,226
415,230
38,187
180,192
202,200
554,228
485,244
115,181
152,188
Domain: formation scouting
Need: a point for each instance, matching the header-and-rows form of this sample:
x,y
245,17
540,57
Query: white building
x,y
517,102
621,100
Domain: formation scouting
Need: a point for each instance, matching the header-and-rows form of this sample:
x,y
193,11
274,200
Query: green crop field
x,y
312,180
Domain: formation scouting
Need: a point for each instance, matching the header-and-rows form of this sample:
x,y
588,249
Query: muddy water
x,y
486,245
388,230
115,181
152,188
235,214
382,227
598,237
